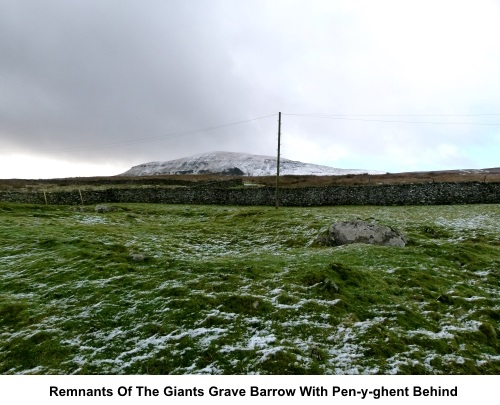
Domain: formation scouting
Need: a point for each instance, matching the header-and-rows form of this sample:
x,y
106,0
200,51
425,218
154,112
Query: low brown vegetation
x,y
486,175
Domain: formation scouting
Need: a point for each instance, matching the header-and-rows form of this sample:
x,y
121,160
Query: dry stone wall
x,y
401,194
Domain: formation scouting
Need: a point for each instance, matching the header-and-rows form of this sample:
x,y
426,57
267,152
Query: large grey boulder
x,y
347,232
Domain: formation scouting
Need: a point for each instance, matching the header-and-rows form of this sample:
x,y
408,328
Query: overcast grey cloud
x,y
115,82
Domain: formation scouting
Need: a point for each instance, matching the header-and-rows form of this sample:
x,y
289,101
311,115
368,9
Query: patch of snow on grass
x,y
433,335
92,220
487,358
260,340
474,298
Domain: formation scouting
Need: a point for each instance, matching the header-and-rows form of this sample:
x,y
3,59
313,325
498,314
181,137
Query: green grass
x,y
176,289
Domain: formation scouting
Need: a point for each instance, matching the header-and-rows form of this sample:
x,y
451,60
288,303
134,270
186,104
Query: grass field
x,y
176,289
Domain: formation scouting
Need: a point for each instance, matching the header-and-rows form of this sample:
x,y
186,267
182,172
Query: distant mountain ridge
x,y
232,163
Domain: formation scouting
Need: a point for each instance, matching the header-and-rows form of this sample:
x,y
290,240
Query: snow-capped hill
x,y
231,163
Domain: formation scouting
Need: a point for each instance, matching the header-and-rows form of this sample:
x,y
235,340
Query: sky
x,y
93,87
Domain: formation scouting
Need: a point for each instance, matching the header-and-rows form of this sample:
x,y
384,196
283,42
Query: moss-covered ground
x,y
176,289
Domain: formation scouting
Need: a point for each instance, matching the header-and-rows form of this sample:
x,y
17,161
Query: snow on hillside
x,y
236,164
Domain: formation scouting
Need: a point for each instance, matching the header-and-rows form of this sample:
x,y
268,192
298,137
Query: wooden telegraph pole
x,y
278,161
